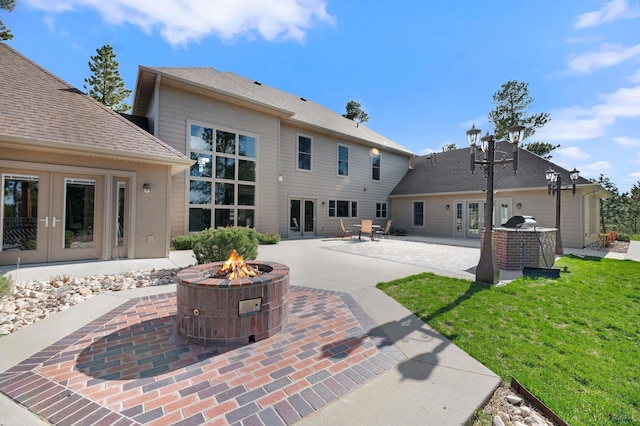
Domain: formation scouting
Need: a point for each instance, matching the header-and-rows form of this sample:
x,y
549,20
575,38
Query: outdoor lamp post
x,y
487,270
554,188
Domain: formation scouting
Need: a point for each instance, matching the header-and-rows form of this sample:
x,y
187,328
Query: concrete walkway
x,y
435,382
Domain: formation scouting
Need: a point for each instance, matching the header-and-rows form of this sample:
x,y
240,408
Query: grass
x,y
635,237
574,342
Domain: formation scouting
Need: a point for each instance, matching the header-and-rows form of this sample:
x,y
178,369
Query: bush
x,y
623,237
182,242
215,245
269,238
398,230
6,283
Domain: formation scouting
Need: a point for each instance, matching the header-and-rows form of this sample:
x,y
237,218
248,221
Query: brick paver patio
x,y
129,367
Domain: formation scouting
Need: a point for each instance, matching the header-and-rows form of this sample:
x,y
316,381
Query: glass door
x,y
309,218
474,216
76,222
301,217
24,218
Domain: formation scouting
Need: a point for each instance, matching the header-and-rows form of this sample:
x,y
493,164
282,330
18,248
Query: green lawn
x,y
574,342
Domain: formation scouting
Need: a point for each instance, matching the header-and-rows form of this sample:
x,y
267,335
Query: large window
x,y
418,213
343,208
375,167
381,210
304,153
222,183
343,160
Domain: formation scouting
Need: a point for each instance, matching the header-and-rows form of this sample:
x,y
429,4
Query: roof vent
x,y
303,99
257,82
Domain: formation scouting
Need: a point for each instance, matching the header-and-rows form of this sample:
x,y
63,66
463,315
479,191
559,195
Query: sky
x,y
424,71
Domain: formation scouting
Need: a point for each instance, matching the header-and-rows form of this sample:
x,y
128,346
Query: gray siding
x,y
323,182
176,108
440,221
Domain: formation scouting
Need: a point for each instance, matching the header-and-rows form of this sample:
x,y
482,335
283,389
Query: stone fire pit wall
x,y
508,248
222,312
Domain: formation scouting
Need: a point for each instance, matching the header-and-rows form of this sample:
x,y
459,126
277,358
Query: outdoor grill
x,y
520,222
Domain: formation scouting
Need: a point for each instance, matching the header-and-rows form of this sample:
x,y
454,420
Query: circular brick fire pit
x,y
223,312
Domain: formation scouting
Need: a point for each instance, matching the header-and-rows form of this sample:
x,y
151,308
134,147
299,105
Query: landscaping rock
x,y
32,301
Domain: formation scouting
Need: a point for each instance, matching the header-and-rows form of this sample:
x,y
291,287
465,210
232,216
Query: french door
x,y
51,216
302,217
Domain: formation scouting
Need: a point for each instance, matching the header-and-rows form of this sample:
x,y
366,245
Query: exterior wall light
x,y
146,188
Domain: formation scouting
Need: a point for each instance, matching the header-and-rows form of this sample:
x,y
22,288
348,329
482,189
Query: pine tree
x,y
355,113
8,5
105,84
512,102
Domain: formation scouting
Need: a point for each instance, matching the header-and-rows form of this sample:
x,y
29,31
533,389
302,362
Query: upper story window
x,y
343,160
304,153
375,167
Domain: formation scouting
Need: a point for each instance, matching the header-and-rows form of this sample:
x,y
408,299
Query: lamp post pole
x,y
554,187
487,270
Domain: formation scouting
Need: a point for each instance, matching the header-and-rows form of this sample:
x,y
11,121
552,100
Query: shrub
x,y
215,245
182,242
623,237
6,283
398,230
269,238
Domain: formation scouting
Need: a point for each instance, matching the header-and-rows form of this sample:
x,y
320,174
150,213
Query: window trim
x,y
340,145
297,158
353,205
379,155
378,208
212,206
413,214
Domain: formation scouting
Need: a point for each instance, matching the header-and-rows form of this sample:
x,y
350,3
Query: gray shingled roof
x,y
37,108
449,172
299,111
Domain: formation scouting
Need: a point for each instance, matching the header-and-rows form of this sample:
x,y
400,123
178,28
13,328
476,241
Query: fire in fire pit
x,y
235,267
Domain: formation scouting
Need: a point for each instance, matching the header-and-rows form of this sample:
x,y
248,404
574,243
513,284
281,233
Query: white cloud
x,y
426,151
580,123
571,153
609,55
181,22
595,169
610,12
627,142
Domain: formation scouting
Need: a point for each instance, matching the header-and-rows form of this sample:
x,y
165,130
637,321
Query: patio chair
x,y
366,227
385,231
344,231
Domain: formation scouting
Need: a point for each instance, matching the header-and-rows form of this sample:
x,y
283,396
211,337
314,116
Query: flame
x,y
236,268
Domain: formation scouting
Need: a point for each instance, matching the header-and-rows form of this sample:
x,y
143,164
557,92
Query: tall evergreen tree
x,y
353,111
8,5
511,104
105,84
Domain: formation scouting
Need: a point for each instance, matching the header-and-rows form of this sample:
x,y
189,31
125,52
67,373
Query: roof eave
x,y
232,97
178,164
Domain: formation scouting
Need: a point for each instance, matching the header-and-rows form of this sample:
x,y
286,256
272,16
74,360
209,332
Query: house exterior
x,y
439,196
208,149
73,174
263,157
